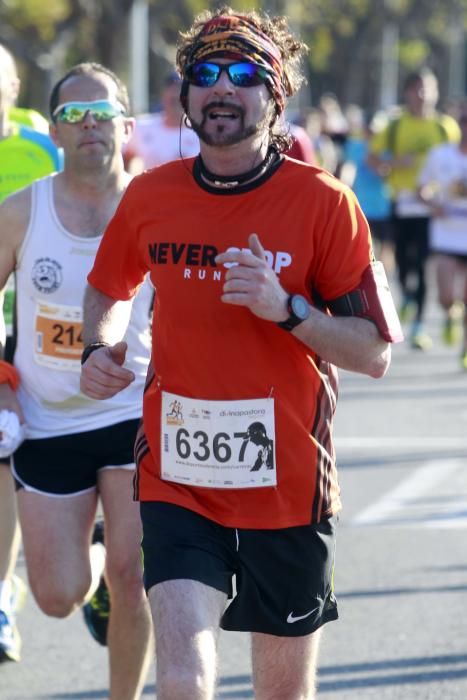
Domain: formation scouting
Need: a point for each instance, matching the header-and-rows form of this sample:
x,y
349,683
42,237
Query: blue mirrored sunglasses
x,y
75,112
244,74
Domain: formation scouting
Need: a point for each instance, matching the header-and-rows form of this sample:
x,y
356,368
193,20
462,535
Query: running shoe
x,y
420,341
10,640
452,331
406,310
18,593
96,611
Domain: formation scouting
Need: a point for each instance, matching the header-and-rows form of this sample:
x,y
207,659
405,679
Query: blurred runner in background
x,y
407,140
161,136
443,186
25,155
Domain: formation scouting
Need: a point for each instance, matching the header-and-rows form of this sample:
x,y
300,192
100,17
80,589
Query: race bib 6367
x,y
218,444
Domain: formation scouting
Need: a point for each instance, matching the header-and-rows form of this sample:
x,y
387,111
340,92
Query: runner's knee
x,y
60,600
124,576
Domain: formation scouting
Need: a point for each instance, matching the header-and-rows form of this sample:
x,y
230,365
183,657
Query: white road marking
x,y
400,443
434,496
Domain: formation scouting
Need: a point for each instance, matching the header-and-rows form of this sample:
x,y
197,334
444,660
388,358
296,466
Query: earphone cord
x,y
182,119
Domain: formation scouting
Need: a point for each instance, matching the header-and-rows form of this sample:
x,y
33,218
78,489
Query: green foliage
x,y
359,7
399,7
43,16
344,35
413,53
321,47
345,27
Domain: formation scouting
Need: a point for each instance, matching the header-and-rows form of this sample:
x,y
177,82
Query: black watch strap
x,y
89,349
291,323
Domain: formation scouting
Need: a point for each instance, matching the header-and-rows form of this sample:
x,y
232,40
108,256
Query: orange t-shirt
x,y
318,242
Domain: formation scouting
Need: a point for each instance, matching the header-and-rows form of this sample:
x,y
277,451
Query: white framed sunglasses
x,y
75,112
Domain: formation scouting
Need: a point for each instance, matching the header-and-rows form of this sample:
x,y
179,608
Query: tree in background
x,y
344,37
47,37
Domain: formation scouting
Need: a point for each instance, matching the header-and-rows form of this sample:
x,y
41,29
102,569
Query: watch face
x,y
300,307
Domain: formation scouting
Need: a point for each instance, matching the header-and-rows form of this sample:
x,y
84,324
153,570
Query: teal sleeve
x,y
45,142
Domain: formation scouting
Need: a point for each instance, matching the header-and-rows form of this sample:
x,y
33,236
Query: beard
x,y
222,136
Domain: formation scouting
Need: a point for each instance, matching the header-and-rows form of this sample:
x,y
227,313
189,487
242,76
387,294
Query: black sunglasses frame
x,y
258,76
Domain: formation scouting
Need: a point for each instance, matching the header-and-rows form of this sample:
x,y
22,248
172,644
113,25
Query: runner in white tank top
x,y
77,451
51,273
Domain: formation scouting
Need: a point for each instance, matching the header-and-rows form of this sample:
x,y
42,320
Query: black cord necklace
x,y
227,182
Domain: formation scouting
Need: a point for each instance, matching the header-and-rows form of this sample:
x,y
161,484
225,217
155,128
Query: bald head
x,y
9,81
7,62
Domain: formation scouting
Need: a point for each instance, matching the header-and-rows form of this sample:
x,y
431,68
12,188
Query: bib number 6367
x,y
201,447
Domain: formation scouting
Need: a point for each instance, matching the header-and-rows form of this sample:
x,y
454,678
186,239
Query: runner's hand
x,y
103,374
251,282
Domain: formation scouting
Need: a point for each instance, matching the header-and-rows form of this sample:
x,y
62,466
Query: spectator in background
x,y
25,155
334,125
162,136
407,140
371,189
443,186
325,150
302,146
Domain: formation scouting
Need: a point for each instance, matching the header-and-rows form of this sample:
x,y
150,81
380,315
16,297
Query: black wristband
x,y
89,349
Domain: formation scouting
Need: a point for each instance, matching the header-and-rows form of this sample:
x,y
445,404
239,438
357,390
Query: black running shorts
x,y
67,465
283,578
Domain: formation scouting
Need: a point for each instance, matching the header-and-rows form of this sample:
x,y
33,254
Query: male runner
x,y
399,151
248,251
443,186
77,450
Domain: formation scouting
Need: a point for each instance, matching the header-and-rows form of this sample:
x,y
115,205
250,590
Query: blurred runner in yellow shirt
x,y
407,141
30,118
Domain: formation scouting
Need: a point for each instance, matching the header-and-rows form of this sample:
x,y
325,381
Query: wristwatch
x,y
299,310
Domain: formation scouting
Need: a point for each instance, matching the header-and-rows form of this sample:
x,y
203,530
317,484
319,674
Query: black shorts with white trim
x,y
280,581
67,465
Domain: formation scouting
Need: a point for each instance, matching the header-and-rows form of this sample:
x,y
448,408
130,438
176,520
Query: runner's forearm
x,y
349,343
104,319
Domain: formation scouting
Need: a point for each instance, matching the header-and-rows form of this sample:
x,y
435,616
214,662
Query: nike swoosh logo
x,y
295,618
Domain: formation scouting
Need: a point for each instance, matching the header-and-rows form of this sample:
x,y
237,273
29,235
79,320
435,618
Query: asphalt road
x,y
401,577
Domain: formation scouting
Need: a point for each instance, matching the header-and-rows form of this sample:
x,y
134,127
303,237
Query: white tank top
x,y
51,273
